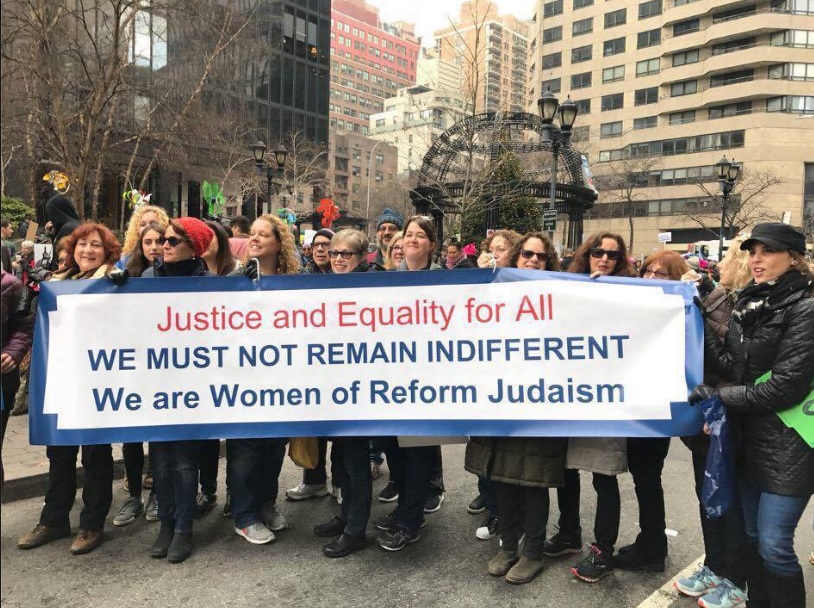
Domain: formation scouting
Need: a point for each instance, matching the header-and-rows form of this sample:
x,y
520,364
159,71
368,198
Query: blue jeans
x,y
770,521
175,475
253,470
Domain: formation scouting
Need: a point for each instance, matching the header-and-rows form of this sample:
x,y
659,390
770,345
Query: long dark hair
x,y
138,262
224,260
552,263
581,263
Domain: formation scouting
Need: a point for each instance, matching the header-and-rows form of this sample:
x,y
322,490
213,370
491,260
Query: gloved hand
x,y
252,269
118,276
701,393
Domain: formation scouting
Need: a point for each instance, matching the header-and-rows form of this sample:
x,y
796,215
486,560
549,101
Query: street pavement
x,y
447,567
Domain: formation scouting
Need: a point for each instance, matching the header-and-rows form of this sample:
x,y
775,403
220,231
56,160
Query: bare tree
x,y
306,166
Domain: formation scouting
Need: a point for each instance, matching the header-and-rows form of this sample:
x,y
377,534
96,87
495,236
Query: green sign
x,y
799,417
550,220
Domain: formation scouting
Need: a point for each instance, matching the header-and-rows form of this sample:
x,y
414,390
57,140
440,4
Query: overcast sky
x,y
430,15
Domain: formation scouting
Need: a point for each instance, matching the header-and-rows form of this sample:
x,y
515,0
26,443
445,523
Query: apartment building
x,y
492,52
361,166
682,83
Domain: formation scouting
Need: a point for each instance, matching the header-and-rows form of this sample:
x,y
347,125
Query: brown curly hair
x,y
113,249
553,262
288,262
581,263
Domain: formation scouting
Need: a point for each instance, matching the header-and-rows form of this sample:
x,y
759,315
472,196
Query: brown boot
x,y
524,571
86,541
42,535
499,565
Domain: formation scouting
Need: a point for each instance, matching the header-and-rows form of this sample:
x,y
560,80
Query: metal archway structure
x,y
486,137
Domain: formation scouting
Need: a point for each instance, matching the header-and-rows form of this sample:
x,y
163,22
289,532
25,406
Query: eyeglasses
x,y
659,274
345,255
388,229
319,245
612,254
174,241
528,254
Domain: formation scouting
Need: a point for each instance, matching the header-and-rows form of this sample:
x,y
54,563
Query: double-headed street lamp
x,y
549,106
728,173
280,156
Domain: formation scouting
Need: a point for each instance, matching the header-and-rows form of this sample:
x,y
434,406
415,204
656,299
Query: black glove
x,y
702,392
252,269
119,277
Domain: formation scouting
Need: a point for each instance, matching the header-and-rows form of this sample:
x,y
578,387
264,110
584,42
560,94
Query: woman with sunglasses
x,y
602,254
348,254
521,468
771,338
175,463
253,465
646,456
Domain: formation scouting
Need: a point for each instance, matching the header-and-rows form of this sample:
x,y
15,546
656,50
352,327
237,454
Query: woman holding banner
x,y
92,252
175,463
602,254
522,468
769,358
253,465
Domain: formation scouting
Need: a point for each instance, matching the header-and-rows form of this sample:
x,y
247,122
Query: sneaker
x,y
132,508
560,546
336,493
725,595
204,504
397,539
375,470
389,493
227,505
275,520
151,510
477,506
433,501
256,534
488,529
305,491
701,582
387,523
593,568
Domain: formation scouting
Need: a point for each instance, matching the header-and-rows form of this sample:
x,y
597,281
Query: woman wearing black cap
x,y
772,330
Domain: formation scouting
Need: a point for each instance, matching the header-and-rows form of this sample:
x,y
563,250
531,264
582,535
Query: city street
x,y
447,567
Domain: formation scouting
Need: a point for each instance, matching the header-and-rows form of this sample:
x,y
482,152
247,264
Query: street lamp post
x,y
369,165
728,173
549,106
280,156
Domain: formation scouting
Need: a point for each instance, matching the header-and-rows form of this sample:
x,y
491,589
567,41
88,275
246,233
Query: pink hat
x,y
200,235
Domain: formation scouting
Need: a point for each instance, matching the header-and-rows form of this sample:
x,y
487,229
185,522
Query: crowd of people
x,y
758,309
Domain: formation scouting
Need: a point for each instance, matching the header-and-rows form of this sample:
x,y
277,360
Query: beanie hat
x,y
389,216
199,234
326,232
694,263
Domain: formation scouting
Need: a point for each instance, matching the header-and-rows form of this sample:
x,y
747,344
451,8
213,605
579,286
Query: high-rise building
x,y
361,166
674,85
492,52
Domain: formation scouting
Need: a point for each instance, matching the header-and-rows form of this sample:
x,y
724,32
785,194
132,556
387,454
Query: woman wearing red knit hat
x,y
175,463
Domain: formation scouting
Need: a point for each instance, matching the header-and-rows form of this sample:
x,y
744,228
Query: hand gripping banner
x,y
472,352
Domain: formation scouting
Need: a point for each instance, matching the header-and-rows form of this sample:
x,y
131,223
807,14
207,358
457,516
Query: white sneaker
x,y
305,491
256,534
275,520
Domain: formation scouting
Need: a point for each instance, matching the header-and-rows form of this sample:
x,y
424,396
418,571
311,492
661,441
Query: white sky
x,y
430,15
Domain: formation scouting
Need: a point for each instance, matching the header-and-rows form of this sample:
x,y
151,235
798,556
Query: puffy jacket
x,y
778,337
17,326
522,461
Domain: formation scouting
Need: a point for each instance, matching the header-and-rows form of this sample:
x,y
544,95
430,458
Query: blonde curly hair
x,y
131,237
288,262
734,267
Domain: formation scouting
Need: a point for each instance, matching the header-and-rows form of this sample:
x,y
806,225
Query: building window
x,y
730,46
582,27
731,109
614,101
648,38
646,67
583,106
797,7
553,85
646,96
552,8
582,3
554,60
685,57
680,118
722,80
552,34
582,53
688,87
649,9
686,27
610,129
646,122
735,13
615,18
795,38
792,71
581,81
613,47
792,104
149,41
613,74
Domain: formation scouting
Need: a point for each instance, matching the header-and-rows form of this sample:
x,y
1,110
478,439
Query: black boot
x,y
786,591
181,547
164,540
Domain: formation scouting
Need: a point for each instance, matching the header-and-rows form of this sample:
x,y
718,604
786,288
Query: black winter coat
x,y
780,338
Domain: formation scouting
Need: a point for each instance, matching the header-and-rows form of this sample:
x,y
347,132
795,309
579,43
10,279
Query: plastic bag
x,y
718,492
304,451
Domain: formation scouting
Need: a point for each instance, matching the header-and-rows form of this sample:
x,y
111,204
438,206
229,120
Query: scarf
x,y
758,298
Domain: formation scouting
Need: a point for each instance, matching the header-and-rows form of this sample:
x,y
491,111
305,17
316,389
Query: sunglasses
x,y
528,254
320,245
174,241
598,253
345,255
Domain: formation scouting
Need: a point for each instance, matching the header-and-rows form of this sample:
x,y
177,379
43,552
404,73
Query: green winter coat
x,y
523,461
